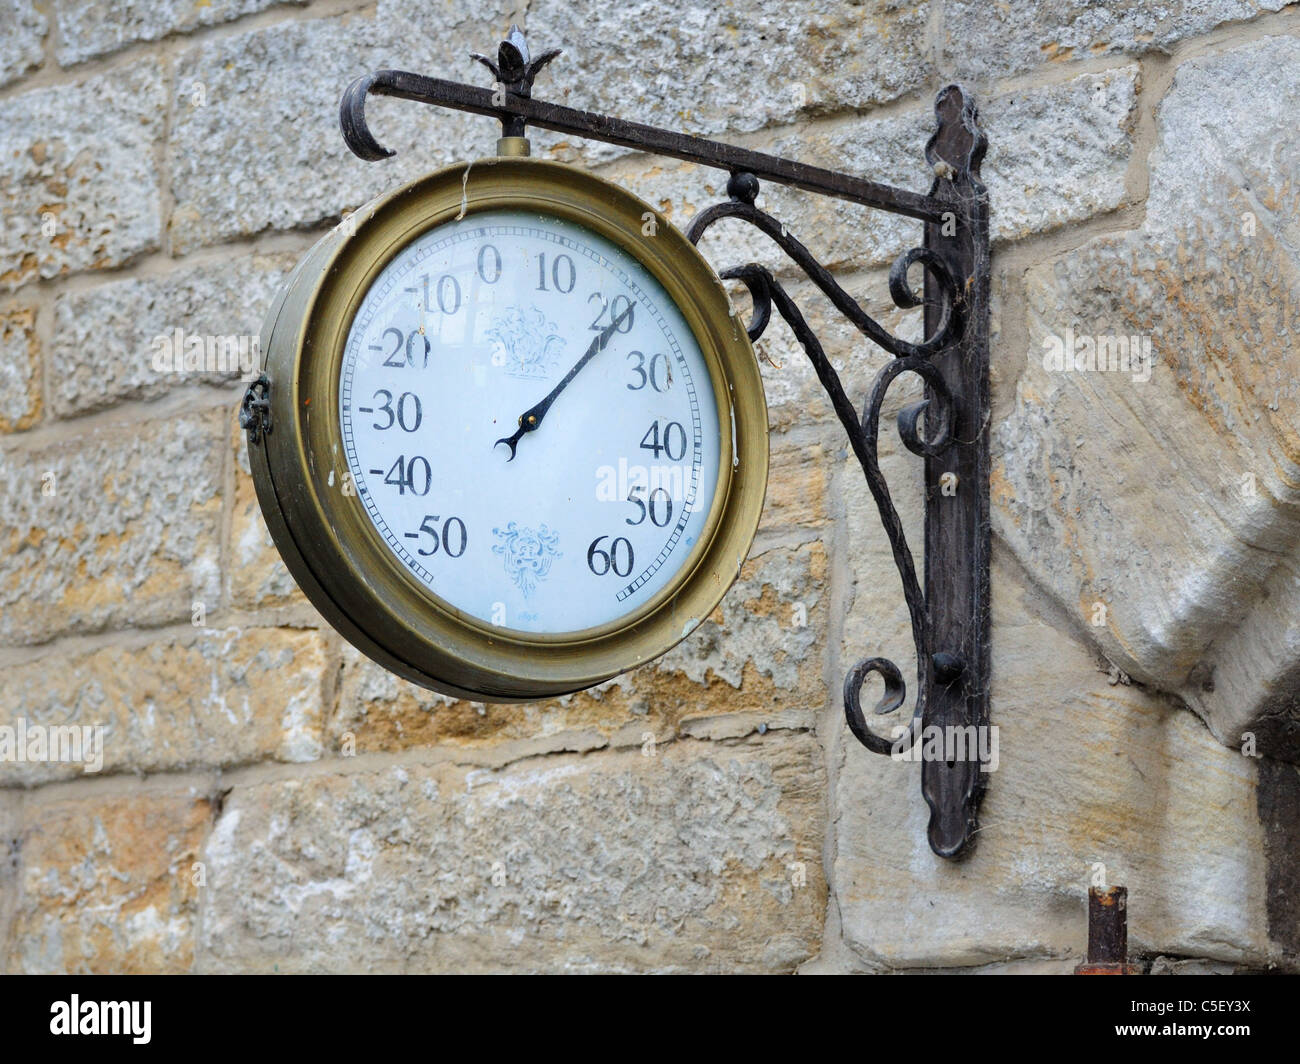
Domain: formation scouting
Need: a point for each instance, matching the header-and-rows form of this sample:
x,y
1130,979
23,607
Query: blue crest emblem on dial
x,y
525,343
528,554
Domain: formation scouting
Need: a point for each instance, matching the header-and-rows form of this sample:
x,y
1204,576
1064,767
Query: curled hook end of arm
x,y
352,120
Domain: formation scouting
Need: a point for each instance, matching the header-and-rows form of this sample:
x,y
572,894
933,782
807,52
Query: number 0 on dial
x,y
518,438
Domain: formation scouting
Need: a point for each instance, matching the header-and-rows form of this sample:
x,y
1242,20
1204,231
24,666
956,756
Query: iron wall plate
x,y
324,534
958,531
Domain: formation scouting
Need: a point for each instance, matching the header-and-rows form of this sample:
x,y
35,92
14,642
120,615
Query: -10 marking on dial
x,y
529,422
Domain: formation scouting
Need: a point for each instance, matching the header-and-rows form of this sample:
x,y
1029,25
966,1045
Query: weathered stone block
x,y
217,697
1156,490
702,857
137,338
22,47
121,528
78,180
109,884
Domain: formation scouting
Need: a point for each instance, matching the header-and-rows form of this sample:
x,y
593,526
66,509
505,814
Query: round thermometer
x,y
511,438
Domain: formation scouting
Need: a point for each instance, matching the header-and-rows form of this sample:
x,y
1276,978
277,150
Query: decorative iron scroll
x,y
950,614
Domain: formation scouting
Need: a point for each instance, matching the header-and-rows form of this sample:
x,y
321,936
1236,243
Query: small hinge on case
x,y
255,410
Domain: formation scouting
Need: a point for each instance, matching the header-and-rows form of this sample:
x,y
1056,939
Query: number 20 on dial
x,y
518,442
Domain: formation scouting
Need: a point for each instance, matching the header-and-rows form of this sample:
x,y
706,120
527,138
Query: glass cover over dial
x,y
529,422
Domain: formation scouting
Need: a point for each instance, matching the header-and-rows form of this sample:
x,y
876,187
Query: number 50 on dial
x,y
518,439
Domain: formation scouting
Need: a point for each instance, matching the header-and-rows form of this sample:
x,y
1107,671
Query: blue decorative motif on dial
x,y
525,343
528,554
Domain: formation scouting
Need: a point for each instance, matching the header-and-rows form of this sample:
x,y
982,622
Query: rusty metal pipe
x,y
1107,934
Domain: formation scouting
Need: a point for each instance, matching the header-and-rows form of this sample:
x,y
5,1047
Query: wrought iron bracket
x,y
948,428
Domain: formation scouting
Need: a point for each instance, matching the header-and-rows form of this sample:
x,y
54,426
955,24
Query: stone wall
x,y
270,800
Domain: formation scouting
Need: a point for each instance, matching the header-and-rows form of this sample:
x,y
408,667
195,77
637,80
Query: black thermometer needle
x,y
531,419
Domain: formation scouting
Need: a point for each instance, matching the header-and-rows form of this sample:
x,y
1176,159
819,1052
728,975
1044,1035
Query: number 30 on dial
x,y
518,440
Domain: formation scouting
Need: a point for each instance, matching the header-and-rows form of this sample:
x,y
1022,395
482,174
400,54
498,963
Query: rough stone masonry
x,y
270,800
